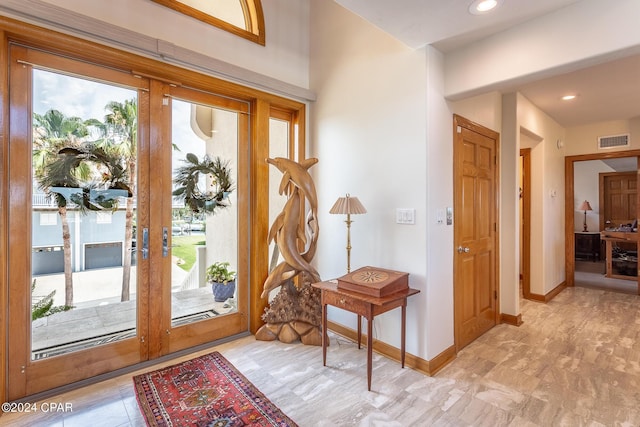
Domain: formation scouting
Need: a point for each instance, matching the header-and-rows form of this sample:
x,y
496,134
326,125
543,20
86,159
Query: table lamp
x,y
348,205
585,206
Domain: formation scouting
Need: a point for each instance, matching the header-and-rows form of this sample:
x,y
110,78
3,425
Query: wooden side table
x,y
362,305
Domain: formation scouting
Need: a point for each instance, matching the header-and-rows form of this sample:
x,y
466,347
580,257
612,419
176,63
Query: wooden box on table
x,y
374,281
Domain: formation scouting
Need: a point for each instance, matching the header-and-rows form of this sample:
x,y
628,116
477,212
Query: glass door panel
x,y
74,276
203,234
83,267
279,142
208,202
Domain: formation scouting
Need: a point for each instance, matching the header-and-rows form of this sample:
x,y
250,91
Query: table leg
x,y
609,262
404,330
359,330
325,335
369,350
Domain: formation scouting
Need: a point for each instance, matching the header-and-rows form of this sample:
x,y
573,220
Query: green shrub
x,y
43,306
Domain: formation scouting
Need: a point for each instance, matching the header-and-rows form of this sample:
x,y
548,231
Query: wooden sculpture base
x,y
293,315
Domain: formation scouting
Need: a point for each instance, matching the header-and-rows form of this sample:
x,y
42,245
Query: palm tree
x,y
120,129
52,132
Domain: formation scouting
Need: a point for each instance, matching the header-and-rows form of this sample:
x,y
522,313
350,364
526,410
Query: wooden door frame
x,y
569,208
464,122
261,102
525,153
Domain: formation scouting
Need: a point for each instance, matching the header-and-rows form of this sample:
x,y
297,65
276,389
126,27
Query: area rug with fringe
x,y
205,391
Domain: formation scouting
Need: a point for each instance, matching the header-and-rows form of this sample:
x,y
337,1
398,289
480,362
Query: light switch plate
x,y
405,216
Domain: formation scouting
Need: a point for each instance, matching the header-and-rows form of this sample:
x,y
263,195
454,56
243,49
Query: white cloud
x,y
75,96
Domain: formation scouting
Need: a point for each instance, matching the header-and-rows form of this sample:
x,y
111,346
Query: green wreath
x,y
186,182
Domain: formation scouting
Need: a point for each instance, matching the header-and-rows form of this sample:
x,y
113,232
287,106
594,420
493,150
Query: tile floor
x,y
574,362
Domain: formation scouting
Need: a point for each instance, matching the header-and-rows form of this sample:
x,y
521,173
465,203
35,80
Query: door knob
x,y
463,250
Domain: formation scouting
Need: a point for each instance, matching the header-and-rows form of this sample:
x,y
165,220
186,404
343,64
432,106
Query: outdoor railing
x,y
192,280
43,200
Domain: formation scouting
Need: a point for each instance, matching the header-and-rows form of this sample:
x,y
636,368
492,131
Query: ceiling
x,y
608,91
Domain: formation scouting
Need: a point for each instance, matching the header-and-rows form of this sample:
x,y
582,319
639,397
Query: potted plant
x,y
223,281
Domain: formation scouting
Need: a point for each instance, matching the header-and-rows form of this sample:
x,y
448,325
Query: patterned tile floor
x,y
574,362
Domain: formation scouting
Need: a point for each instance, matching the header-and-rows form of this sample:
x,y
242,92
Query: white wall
x,y
438,331
584,139
547,198
485,109
369,130
586,186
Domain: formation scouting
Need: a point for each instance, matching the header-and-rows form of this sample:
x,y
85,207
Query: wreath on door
x,y
219,185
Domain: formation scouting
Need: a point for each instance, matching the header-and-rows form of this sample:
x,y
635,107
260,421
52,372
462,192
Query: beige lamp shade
x,y
348,205
585,206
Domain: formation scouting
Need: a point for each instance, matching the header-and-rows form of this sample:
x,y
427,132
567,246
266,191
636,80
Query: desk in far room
x,y
621,266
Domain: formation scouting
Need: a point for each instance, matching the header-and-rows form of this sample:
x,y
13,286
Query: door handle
x,y
165,241
145,243
463,250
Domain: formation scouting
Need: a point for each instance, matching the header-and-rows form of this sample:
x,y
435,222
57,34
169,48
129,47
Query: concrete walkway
x,y
99,312
95,287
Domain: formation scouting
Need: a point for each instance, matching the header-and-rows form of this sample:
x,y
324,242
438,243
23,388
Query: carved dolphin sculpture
x,y
286,231
283,271
298,175
287,237
277,277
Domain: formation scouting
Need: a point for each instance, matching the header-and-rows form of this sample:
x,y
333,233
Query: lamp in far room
x,y
348,206
585,206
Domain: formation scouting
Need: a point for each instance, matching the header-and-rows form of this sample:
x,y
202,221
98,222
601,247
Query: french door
x,y
106,267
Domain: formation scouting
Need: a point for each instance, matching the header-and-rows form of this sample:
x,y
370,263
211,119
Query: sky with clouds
x,y
77,97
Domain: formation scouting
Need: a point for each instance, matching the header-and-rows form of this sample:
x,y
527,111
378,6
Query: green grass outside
x,y
183,247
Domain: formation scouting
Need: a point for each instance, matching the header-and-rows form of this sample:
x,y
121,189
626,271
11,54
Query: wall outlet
x,y
405,216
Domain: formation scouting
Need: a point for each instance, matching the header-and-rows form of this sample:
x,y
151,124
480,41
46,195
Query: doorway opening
x,y
530,159
525,222
601,251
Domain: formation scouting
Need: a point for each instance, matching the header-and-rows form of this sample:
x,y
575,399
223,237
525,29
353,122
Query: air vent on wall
x,y
613,141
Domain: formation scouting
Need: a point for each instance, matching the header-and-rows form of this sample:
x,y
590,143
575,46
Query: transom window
x,y
240,17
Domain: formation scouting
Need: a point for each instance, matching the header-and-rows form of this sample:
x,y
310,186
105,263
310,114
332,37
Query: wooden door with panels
x,y
475,230
618,198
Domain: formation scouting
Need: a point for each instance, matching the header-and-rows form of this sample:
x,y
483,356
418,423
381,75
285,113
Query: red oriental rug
x,y
205,391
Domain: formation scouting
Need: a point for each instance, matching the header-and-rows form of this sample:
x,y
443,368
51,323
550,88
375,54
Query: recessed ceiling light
x,y
568,97
480,7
